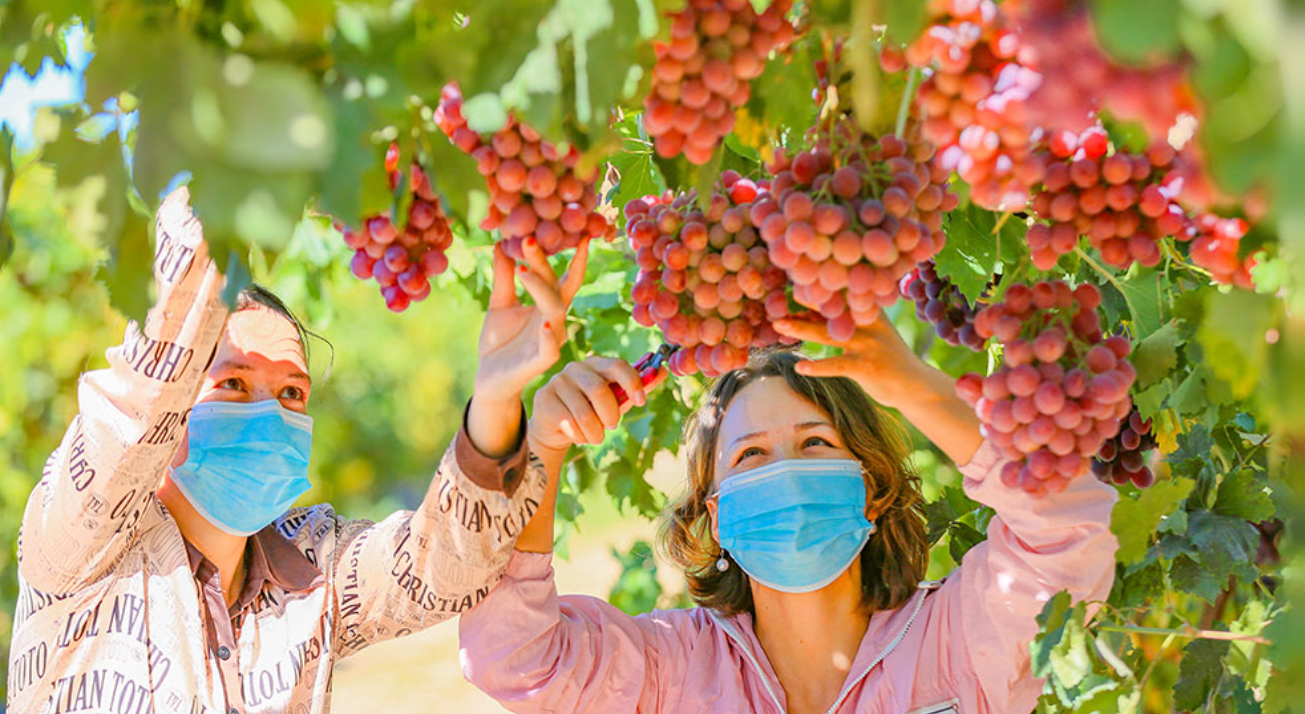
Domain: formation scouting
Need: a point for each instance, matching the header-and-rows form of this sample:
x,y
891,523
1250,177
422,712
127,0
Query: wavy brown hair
x,y
893,560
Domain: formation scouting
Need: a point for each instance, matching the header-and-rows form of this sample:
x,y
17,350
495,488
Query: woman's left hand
x,y
876,358
519,342
881,362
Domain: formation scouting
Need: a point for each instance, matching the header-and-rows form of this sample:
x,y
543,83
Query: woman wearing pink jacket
x,y
802,538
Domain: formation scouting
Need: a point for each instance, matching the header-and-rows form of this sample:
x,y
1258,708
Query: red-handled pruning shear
x,y
647,367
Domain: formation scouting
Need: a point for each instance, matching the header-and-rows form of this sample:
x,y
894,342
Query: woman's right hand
x,y
577,406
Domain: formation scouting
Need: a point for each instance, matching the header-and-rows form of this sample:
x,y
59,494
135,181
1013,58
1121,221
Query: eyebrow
x,y
237,367
804,426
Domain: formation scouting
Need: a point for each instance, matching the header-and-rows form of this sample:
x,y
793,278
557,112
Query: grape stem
x,y
1188,631
1109,278
908,96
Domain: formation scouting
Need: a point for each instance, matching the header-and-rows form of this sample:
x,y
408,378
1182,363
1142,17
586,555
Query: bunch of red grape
x,y
1124,203
402,260
705,278
535,189
1061,390
1081,80
847,224
1123,458
702,74
1215,247
939,303
972,105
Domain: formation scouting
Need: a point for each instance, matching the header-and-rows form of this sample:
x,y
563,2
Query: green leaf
x,y
970,257
1227,544
1190,397
904,19
1188,576
1244,495
1199,672
963,537
1150,401
127,274
6,181
1137,32
1138,588
1060,648
707,175
1233,337
1156,355
484,113
782,94
1143,294
1134,519
453,175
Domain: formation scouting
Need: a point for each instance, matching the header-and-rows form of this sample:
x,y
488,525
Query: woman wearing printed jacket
x,y
802,538
159,568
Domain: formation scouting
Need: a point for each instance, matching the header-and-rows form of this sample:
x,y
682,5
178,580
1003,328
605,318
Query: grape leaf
x,y
1233,337
1189,397
640,176
904,19
1199,672
1133,520
6,181
782,94
1227,544
1150,401
127,274
963,538
1187,575
971,253
1137,588
1137,32
1060,647
1143,292
1156,355
1243,495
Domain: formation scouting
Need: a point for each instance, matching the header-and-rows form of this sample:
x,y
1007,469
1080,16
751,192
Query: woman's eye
x,y
750,451
230,383
294,393
815,441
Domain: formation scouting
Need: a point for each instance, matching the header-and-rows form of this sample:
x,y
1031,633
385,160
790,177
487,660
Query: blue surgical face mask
x,y
248,462
795,525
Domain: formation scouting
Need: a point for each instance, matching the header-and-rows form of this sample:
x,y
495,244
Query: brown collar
x,y
269,557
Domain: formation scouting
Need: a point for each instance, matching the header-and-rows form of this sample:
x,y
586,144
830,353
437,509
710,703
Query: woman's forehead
x,y
767,405
262,334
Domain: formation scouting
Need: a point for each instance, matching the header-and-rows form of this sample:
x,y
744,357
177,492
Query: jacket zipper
x,y
891,646
738,639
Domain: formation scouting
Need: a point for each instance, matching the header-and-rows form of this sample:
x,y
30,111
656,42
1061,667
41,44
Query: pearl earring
x,y
873,528
721,563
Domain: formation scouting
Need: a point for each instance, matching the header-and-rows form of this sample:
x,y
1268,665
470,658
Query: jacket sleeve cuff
x,y
984,462
494,474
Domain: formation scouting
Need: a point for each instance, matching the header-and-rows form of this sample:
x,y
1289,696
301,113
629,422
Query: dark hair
x,y
256,295
894,559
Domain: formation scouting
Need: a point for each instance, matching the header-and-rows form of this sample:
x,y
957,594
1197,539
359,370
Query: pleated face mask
x,y
795,525
248,462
